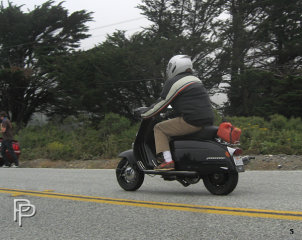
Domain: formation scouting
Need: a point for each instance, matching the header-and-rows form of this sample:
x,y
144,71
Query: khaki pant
x,y
171,128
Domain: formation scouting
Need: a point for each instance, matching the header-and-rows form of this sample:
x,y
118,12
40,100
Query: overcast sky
x,y
106,12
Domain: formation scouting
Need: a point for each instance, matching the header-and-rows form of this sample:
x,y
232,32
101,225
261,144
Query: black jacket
x,y
188,98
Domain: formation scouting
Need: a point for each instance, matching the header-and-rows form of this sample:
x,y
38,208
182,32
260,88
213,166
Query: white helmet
x,y
178,64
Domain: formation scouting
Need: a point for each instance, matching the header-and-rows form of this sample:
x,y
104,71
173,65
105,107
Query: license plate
x,y
238,161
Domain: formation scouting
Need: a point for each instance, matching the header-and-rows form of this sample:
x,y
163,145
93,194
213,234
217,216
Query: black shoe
x,y
160,158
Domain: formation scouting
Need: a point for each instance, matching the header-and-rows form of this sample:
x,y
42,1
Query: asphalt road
x,y
158,210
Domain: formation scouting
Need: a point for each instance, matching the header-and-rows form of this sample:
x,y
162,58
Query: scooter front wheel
x,y
129,177
221,183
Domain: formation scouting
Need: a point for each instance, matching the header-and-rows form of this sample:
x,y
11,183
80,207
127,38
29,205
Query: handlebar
x,y
140,110
168,113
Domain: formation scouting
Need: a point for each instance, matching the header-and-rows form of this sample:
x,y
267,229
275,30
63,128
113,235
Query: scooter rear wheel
x,y
221,183
129,177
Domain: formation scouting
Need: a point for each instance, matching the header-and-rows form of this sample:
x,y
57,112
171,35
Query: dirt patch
x,y
262,162
276,162
85,164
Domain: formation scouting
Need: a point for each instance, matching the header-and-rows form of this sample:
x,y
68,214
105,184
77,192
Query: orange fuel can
x,y
227,132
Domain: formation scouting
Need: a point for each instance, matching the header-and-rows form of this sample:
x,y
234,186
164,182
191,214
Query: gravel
x,y
276,162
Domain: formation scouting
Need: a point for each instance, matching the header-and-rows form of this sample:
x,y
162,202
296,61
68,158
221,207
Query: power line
x,y
96,36
100,27
121,22
104,34
112,82
117,23
128,81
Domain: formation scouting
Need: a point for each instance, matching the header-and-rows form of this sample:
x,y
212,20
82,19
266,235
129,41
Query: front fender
x,y
129,155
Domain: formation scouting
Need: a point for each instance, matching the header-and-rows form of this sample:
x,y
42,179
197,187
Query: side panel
x,y
202,156
144,145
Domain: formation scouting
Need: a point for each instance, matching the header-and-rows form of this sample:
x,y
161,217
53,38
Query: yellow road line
x,y
248,212
17,195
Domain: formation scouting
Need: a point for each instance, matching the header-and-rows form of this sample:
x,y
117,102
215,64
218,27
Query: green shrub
x,y
77,139
294,124
279,135
278,122
57,150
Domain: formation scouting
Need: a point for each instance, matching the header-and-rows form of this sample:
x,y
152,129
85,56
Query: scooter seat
x,y
207,133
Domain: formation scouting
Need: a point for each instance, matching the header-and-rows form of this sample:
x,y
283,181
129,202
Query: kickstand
x,y
183,182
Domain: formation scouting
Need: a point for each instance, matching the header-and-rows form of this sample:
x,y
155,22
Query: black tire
x,y
129,177
221,183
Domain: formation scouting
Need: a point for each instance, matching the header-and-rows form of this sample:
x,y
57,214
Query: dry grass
x,y
85,164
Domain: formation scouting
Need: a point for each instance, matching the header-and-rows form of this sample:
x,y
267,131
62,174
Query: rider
x,y
190,102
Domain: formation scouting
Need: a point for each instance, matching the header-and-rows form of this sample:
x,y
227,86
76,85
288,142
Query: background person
x,y
7,134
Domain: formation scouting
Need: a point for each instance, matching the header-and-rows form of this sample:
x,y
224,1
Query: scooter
x,y
201,155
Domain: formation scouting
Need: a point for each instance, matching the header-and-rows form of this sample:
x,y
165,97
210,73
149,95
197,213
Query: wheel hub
x,y
218,178
129,174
